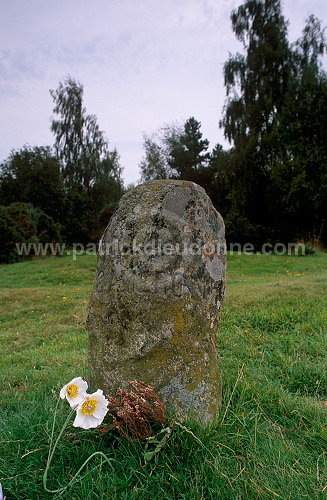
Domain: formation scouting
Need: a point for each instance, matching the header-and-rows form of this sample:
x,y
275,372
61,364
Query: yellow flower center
x,y
89,407
73,390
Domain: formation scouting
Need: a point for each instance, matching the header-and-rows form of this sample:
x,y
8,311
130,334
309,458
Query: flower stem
x,y
53,448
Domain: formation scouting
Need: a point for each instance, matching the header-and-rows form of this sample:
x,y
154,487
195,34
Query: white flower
x,y
1,494
74,391
91,411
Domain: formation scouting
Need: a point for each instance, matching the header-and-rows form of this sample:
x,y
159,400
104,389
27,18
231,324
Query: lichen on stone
x,y
154,310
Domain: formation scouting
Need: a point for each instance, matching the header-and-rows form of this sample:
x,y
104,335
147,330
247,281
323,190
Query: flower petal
x,y
91,411
86,421
74,391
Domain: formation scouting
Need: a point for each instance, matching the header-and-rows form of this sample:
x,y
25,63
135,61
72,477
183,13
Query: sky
x,y
142,64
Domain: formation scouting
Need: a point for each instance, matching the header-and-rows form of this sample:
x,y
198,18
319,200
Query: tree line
x,y
65,193
270,185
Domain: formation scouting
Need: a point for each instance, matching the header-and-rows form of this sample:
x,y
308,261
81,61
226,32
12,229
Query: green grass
x,y
271,436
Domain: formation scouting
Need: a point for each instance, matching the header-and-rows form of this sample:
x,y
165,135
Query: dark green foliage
x,y
77,189
275,115
87,213
255,88
91,172
187,152
299,174
23,223
9,234
80,144
176,152
257,81
32,175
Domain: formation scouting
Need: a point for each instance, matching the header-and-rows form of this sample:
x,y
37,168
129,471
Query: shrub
x,y
23,223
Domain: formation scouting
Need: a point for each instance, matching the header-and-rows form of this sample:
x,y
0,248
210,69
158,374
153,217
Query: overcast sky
x,y
142,63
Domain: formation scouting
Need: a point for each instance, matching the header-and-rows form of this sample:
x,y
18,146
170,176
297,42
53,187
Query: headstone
x,y
154,311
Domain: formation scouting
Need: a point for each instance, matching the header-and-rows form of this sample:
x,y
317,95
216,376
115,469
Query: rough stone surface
x,y
154,311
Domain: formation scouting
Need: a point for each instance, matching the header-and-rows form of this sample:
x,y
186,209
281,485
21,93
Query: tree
x,y
256,83
91,172
154,163
87,213
275,117
80,144
175,151
23,223
310,46
32,175
299,177
187,151
221,179
107,181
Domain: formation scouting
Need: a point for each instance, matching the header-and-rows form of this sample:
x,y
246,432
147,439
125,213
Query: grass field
x,y
271,437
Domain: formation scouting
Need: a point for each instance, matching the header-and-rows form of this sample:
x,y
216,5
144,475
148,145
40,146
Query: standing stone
x,y
154,311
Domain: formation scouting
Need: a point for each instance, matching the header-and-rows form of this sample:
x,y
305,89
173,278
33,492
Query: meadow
x,y
270,440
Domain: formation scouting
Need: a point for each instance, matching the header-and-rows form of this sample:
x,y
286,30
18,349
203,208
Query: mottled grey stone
x,y
154,310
